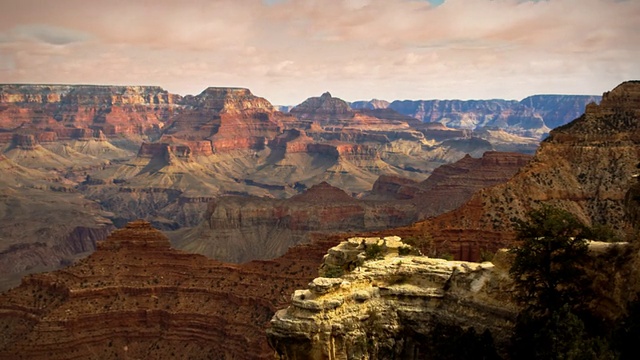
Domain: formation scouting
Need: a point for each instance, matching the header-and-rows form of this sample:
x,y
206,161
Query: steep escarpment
x,y
584,167
533,116
391,307
137,297
240,229
65,111
450,185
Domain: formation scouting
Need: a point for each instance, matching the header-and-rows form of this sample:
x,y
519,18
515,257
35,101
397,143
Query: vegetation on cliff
x,y
555,288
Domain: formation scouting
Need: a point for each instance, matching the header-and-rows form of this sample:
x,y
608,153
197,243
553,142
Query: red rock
x,y
584,167
136,297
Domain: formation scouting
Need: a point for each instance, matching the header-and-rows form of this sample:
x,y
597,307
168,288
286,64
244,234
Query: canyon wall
x,y
584,167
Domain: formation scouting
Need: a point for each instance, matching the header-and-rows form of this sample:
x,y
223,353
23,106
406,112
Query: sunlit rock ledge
x,y
385,307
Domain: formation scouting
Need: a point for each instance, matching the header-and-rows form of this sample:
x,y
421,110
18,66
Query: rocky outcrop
x,y
377,298
584,167
137,297
388,306
231,118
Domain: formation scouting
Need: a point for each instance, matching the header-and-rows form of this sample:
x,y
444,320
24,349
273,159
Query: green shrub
x,y
374,252
404,250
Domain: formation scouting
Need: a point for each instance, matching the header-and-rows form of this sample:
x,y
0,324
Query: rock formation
x,y
450,185
65,111
533,116
584,167
44,223
386,307
230,118
137,297
239,229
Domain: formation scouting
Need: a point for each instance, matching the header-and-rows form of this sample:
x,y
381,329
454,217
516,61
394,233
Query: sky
x,y
289,50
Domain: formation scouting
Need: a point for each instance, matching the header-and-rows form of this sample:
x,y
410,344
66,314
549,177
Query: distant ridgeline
x,y
533,116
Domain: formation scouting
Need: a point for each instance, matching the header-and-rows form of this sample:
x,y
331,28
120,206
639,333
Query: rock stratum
x,y
584,167
137,297
532,116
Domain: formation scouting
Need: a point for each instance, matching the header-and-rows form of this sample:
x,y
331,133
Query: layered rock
x,y
533,116
584,167
137,297
450,185
377,298
240,229
42,229
387,307
231,118
115,110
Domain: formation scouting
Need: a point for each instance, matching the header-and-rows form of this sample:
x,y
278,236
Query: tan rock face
x,y
382,308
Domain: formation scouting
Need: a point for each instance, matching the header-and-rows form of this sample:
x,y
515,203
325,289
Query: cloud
x,y
46,34
287,50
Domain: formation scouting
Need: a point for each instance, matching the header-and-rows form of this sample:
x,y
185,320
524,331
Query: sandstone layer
x,y
386,308
393,303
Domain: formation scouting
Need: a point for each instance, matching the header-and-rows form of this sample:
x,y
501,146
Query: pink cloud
x,y
293,49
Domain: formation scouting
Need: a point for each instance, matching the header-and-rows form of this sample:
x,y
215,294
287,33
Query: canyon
x,y
187,305
107,155
585,167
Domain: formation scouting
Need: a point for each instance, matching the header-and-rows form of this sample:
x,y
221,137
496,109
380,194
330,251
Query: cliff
x,y
114,110
392,307
137,297
533,116
240,229
584,167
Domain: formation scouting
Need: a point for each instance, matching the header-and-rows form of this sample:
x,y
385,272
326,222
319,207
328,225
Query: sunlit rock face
x,y
386,307
378,298
64,111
